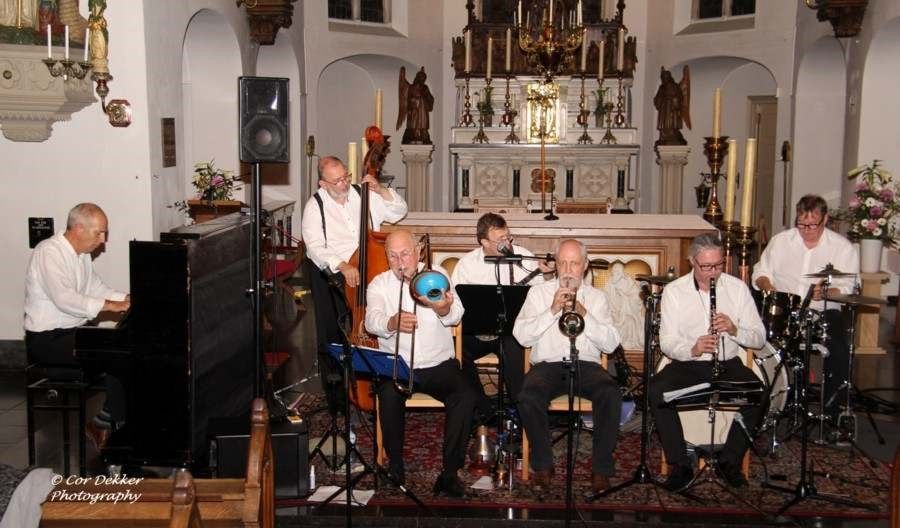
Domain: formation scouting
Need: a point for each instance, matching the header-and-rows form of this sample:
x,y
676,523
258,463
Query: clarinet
x,y
716,368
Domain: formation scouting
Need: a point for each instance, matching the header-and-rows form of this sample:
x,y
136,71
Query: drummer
x,y
805,249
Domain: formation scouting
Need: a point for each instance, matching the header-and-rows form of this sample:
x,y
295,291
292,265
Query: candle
x,y
519,12
509,48
749,174
87,37
490,56
601,63
67,42
49,51
378,102
584,48
730,180
620,51
551,12
364,149
578,16
351,161
717,112
468,40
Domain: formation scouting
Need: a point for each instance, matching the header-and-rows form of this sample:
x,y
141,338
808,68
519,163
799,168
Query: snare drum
x,y
778,312
769,365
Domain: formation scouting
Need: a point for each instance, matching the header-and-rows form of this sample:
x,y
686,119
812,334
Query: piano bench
x,y
63,390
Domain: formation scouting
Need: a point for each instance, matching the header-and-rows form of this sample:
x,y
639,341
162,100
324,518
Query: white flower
x,y
870,202
864,223
882,221
877,231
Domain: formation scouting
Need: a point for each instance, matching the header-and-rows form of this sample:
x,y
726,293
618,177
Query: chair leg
x,y
67,441
29,414
526,457
381,457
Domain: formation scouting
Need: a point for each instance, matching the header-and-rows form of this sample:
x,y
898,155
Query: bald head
x,y
571,262
86,227
402,254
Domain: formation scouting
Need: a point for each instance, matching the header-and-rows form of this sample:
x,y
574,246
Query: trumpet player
x,y
494,239
425,330
691,332
538,326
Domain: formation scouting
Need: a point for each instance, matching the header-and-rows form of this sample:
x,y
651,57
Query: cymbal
x,y
660,280
856,299
824,274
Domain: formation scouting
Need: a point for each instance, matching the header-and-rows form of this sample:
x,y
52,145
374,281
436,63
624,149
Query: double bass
x,y
370,259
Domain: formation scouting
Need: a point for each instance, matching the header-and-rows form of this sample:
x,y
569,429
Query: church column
x,y
417,159
671,160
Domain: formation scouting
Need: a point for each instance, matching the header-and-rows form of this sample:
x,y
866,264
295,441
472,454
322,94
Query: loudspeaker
x,y
264,124
290,448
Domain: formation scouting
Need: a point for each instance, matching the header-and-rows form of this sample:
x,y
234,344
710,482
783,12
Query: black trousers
x,y
836,367
680,374
544,382
444,382
512,363
331,309
56,348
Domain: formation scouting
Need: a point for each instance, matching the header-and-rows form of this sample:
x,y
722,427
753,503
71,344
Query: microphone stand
x,y
572,366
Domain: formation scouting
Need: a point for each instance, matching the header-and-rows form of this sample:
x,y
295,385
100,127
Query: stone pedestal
x,y
671,160
417,159
867,315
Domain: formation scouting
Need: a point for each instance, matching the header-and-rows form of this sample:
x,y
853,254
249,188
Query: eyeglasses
x,y
343,179
711,267
809,227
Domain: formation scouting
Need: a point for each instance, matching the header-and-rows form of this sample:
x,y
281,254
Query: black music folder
x,y
483,304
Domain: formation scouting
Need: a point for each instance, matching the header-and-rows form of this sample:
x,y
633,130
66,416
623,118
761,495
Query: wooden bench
x,y
179,502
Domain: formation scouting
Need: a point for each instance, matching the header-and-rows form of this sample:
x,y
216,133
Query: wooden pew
x,y
181,502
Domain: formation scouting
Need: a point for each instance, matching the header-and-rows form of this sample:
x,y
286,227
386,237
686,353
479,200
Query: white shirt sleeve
x,y
378,313
671,342
314,239
534,319
751,333
599,327
763,268
387,211
59,286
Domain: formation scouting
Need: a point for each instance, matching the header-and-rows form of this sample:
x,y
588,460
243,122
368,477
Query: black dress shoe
x,y
679,478
732,474
449,484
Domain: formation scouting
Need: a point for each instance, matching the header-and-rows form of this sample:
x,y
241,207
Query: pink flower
x,y
872,225
875,212
854,202
887,195
217,181
861,186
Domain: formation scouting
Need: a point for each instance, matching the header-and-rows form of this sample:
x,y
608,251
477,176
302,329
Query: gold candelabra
x,y
715,148
548,47
729,241
466,119
744,239
583,116
481,137
608,137
509,116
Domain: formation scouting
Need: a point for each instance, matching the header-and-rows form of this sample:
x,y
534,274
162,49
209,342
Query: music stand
x,y
492,310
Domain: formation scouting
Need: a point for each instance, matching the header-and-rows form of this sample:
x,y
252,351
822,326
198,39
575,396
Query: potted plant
x,y
485,108
600,108
870,213
215,188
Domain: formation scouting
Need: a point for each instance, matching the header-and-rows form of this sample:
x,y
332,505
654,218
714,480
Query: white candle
x,y
351,161
519,11
620,51
490,56
67,42
87,37
49,51
579,13
378,106
730,180
584,49
551,12
717,113
601,64
509,48
468,40
749,175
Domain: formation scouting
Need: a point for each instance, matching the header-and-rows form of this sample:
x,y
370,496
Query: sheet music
x,y
678,393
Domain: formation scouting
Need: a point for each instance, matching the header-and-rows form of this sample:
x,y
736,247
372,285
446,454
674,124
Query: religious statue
x,y
672,102
624,295
19,13
99,36
416,102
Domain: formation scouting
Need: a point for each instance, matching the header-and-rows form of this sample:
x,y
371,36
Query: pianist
x,y
686,335
62,292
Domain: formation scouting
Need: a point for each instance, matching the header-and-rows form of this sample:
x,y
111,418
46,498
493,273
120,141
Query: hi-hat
x,y
824,274
855,299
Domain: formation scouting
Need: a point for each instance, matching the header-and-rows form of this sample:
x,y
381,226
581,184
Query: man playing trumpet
x,y
538,327
436,371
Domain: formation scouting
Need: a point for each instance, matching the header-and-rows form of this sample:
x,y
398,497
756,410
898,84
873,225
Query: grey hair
x,y
581,246
83,214
705,241
327,161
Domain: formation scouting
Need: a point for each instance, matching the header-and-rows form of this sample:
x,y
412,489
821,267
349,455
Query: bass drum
x,y
769,366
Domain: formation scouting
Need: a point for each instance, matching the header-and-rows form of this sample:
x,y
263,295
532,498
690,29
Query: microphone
x,y
505,249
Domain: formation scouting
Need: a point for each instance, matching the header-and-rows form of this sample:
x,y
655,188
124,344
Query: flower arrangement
x,y
873,205
485,106
212,184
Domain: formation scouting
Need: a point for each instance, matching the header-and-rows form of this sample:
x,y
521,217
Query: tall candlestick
x,y
601,63
351,161
468,40
49,50
620,51
717,112
379,96
509,47
584,49
67,42
730,180
87,39
490,56
578,16
749,176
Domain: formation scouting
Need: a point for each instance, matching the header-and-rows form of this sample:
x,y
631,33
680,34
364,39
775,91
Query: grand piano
x,y
184,351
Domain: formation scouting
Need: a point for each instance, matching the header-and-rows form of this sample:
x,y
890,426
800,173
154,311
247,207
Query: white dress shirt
x,y
786,259
472,269
685,317
538,328
61,288
434,337
342,225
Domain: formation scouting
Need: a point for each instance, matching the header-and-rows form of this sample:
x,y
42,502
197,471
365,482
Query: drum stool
x,y
64,390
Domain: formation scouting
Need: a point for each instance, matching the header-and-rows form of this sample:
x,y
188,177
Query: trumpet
x,y
571,323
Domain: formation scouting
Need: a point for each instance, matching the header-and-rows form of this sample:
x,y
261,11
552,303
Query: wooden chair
x,y
560,403
695,423
182,501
